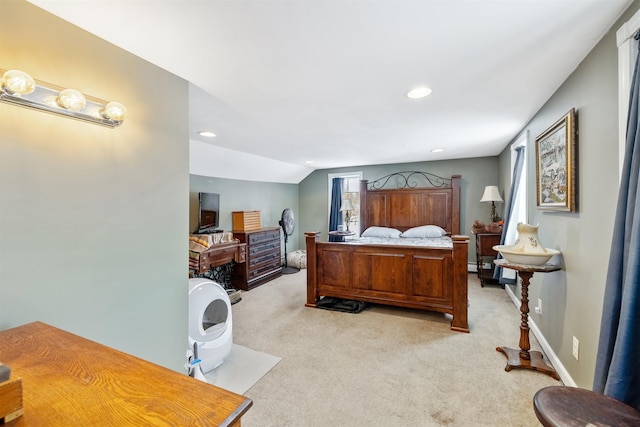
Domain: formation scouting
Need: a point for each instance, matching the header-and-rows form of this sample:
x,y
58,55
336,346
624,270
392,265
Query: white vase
x,y
528,242
527,249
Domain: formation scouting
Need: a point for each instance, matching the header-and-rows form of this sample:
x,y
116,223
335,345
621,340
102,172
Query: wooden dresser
x,y
263,258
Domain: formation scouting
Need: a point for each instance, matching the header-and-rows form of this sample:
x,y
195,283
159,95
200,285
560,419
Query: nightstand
x,y
485,256
341,234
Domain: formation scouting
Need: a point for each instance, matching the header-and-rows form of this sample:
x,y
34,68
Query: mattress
x,y
444,242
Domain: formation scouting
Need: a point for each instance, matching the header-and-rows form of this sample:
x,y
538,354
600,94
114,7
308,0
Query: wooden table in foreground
x,y
69,380
523,358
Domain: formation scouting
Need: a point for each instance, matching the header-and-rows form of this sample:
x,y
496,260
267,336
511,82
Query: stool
x,y
558,406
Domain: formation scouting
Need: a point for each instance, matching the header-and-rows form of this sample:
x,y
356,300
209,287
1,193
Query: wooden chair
x,y
557,406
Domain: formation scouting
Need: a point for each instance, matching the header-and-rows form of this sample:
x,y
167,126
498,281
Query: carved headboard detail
x,y
409,199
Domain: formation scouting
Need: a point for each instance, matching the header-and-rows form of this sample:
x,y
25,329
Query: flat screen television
x,y
209,212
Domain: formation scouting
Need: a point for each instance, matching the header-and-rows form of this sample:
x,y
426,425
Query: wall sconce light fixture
x,y
19,88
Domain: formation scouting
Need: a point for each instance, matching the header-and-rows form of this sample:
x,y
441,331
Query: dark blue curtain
x,y
618,359
513,196
335,216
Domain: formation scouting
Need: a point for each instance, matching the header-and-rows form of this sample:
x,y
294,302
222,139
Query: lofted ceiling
x,y
282,82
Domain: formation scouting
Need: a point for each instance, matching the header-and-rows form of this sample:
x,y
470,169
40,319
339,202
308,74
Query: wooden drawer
x,y
218,255
258,250
264,237
485,244
263,269
264,257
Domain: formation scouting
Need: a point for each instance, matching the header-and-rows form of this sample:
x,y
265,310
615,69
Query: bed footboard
x,y
432,279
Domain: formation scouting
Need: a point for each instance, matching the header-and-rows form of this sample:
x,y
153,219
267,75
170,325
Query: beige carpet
x,y
242,369
385,366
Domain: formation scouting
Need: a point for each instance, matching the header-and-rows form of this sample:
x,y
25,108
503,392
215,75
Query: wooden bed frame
x,y
433,279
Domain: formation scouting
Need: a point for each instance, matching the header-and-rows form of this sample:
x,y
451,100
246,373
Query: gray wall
x,y
572,298
476,173
93,221
309,199
236,195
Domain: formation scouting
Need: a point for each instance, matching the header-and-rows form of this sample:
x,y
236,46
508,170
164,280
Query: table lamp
x,y
492,194
347,207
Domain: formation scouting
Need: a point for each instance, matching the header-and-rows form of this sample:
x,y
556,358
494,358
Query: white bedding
x,y
433,242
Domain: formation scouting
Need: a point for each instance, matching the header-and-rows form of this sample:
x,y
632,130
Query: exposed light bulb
x,y
114,111
71,99
18,82
19,88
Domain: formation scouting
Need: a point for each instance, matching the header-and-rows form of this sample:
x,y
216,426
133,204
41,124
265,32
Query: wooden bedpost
x,y
311,238
460,320
364,217
455,203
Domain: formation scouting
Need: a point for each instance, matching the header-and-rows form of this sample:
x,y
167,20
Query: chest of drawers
x,y
263,258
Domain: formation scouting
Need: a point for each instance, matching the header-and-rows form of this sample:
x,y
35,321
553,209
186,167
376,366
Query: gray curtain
x,y
513,196
618,359
335,216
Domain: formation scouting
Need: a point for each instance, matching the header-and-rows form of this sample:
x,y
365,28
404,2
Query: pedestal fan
x,y
287,222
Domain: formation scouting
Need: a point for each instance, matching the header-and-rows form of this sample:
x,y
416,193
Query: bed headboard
x,y
403,200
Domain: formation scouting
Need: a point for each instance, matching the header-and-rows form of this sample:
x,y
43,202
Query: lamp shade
x,y
491,194
346,205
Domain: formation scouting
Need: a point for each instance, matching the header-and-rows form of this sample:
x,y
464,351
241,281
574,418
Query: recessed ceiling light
x,y
418,92
207,134
437,150
309,162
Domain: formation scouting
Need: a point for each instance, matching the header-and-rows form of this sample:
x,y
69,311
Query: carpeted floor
x,y
384,366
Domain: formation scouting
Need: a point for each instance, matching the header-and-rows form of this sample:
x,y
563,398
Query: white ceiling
x,y
285,81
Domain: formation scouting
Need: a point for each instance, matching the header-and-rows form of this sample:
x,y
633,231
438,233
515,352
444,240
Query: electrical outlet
x,y
576,347
538,308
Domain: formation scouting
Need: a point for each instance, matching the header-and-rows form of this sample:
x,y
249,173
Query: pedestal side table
x,y
524,358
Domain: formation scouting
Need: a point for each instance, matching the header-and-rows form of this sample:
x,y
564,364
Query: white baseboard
x,y
548,351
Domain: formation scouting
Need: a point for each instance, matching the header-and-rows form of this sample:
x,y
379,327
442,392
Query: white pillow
x,y
384,232
424,231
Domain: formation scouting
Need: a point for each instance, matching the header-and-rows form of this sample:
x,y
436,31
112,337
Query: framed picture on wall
x,y
556,165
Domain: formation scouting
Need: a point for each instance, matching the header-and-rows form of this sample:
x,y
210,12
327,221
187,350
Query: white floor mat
x,y
242,369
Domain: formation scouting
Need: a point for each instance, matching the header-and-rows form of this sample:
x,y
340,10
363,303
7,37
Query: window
x,y
350,191
519,213
519,202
